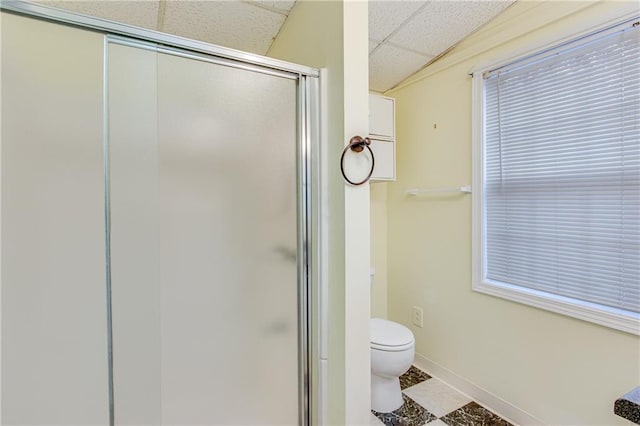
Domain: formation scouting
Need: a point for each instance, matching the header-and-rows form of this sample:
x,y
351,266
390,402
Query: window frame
x,y
595,313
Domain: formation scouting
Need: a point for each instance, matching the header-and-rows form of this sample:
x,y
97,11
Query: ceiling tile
x,y
441,24
139,13
389,65
412,32
373,44
386,16
226,23
283,5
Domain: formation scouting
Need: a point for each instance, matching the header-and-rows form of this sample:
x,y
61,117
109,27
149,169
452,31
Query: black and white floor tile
x,y
429,401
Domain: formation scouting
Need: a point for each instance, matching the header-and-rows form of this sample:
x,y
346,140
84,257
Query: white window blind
x,y
561,168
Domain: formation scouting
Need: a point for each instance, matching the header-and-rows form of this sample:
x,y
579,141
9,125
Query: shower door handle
x,y
289,254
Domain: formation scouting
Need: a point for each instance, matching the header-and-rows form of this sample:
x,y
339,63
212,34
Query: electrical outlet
x,y
417,316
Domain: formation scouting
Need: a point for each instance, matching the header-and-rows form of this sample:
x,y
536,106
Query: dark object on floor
x,y
628,406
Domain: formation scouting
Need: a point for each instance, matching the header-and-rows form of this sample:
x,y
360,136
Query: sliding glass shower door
x,y
204,239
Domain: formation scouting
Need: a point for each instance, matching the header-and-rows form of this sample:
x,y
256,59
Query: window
x,y
557,179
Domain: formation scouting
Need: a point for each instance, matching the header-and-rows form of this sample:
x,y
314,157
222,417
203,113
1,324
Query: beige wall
x,y
379,249
561,370
319,34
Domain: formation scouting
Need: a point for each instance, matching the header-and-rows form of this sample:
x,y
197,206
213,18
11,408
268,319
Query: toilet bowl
x,y
392,350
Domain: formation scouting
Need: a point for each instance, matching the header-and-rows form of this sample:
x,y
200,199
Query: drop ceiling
x,y
404,36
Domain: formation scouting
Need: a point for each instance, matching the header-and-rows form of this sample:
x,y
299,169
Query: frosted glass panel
x,y
204,240
54,321
135,235
227,143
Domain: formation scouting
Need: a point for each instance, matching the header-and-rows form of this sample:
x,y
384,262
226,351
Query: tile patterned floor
x,y
429,401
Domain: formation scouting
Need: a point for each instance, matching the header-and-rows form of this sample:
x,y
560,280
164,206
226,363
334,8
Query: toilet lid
x,y
389,333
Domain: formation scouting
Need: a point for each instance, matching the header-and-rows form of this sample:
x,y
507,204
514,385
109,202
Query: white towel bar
x,y
462,189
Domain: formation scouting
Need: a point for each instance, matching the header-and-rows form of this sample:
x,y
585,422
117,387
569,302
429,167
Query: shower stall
x,y
156,227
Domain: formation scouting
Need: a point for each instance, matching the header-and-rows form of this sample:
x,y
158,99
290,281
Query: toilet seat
x,y
390,336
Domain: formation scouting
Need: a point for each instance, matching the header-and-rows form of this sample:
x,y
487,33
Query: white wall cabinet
x,y
383,136
382,117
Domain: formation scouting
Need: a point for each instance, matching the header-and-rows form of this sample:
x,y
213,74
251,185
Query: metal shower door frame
x,y
308,98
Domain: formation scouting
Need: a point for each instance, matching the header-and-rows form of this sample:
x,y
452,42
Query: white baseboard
x,y
485,398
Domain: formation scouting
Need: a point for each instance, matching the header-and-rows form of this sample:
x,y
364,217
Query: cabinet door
x,y
385,166
381,117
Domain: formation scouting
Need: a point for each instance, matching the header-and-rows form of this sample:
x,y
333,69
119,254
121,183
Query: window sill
x,y
618,319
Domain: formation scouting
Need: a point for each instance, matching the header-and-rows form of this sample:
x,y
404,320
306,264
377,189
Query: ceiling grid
x,y
404,35
413,33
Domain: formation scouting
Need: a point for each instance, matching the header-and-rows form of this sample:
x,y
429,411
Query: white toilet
x,y
392,350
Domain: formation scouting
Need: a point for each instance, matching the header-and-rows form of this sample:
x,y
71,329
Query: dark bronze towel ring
x,y
357,144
